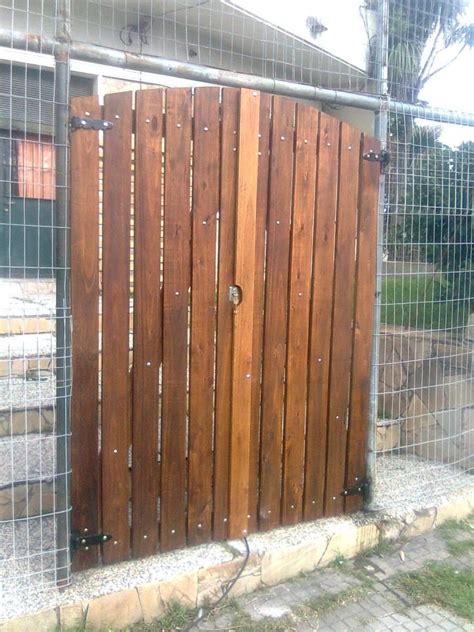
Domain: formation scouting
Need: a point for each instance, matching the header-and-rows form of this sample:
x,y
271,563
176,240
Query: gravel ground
x,y
32,590
26,457
27,346
20,299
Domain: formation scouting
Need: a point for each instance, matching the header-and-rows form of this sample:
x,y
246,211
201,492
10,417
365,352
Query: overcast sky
x,y
451,88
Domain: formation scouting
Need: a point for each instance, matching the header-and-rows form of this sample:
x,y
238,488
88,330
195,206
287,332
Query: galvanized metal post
x,y
381,128
61,266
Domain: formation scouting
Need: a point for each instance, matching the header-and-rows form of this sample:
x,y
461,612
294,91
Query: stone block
x,y
182,589
390,530
213,581
42,621
422,522
387,435
26,500
150,600
368,536
453,511
28,421
342,543
72,616
114,611
281,564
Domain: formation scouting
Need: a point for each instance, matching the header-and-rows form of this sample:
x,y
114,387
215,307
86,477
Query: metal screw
x,y
115,451
234,149
147,120
104,538
282,138
86,548
204,221
177,293
313,502
225,519
329,144
206,129
260,136
145,537
83,122
244,530
235,131
292,506
247,375
178,124
269,511
199,526
278,221
356,478
173,531
350,147
320,359
334,498
259,153
300,293
148,363
86,530
83,541
115,542
248,516
117,116
254,94
87,113
337,416
305,141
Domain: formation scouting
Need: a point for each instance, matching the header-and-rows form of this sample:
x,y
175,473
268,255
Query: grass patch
x,y
453,531
329,602
421,301
338,561
379,550
243,622
443,585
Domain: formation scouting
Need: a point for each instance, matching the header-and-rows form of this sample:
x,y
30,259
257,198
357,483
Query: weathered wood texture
x,y
244,415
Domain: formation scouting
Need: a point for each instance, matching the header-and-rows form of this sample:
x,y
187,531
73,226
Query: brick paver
x,y
366,597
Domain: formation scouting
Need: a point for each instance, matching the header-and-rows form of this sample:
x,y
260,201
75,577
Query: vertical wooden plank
x,y
176,282
259,298
321,316
298,312
146,321
85,329
276,304
363,319
228,197
115,326
205,207
342,323
242,361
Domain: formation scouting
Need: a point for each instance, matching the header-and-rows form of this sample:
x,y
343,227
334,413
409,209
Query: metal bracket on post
x,y
362,488
382,156
77,122
85,540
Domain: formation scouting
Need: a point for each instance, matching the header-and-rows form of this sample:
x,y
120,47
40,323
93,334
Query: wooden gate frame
x,y
278,400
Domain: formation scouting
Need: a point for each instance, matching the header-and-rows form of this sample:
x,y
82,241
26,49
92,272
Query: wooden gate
x,y
223,266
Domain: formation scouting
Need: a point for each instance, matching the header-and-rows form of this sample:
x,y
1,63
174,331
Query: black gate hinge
x,y
77,122
382,156
85,540
361,488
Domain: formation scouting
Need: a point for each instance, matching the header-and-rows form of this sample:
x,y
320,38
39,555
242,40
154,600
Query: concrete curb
x,y
276,556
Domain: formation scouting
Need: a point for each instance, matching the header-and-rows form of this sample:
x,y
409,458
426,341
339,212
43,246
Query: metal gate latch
x,y
362,488
77,122
85,540
383,157
235,294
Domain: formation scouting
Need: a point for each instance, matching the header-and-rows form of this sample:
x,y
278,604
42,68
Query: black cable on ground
x,y
230,585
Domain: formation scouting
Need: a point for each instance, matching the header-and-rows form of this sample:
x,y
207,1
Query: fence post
x,y
61,267
381,126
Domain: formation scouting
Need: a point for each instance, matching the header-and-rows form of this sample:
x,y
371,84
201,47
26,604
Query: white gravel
x,y
27,346
404,485
29,299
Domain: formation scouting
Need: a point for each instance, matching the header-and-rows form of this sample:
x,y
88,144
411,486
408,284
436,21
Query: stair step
x,y
27,421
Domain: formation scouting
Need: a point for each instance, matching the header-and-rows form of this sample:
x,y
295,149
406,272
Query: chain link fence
x,y
404,51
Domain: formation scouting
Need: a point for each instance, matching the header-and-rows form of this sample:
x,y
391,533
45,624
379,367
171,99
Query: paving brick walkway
x,y
351,595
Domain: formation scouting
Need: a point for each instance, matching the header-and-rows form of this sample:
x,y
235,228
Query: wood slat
x,y
298,312
176,283
259,299
242,361
343,313
228,197
321,316
147,320
85,319
364,308
115,325
206,149
276,303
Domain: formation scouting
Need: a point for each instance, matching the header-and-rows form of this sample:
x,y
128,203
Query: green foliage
x,y
443,585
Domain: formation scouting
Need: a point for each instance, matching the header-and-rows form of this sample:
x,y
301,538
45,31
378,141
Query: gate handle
x,y
235,294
